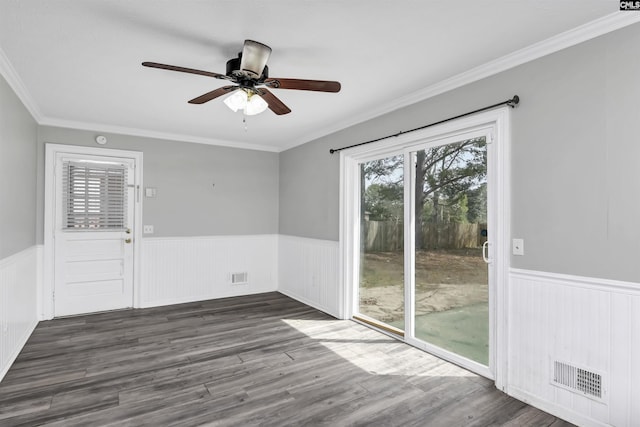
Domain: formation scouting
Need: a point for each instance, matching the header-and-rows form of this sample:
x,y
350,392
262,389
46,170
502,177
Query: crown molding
x,y
122,130
15,82
588,31
585,32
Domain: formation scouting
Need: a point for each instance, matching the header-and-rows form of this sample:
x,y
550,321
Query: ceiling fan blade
x,y
275,104
184,70
213,94
301,84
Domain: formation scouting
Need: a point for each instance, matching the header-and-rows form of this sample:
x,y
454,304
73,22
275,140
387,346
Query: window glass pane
x,y
382,238
451,278
95,196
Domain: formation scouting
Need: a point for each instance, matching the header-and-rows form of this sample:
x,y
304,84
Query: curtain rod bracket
x,y
513,102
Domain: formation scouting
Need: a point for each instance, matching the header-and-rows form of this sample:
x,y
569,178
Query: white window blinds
x,y
95,196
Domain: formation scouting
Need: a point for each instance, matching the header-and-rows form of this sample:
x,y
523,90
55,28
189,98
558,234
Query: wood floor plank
x,y
263,360
17,407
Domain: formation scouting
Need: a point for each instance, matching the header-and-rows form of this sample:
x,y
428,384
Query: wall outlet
x,y
518,246
147,229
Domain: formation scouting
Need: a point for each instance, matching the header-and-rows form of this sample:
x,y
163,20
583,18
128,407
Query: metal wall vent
x,y
578,380
239,278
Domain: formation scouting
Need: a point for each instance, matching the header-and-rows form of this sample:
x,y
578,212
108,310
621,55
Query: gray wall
x,y
243,201
18,132
575,158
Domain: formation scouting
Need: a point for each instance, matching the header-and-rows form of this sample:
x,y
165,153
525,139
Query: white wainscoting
x,y
18,303
591,323
309,272
185,269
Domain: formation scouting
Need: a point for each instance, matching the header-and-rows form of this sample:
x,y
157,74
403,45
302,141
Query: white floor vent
x,y
239,278
578,380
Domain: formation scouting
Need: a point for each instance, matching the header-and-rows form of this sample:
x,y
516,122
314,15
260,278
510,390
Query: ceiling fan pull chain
x,y
244,122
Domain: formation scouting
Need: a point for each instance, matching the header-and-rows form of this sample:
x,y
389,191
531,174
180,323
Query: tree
x,y
477,203
450,186
382,189
380,193
384,202
445,176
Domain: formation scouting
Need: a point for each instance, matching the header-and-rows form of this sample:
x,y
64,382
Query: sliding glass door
x,y
425,229
381,287
451,292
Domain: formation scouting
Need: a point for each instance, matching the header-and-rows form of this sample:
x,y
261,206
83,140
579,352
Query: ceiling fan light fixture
x,y
254,58
249,102
237,100
255,105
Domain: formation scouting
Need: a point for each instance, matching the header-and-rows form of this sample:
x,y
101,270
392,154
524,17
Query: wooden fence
x,y
383,236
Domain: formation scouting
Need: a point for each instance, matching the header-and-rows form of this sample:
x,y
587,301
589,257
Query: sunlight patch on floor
x,y
374,352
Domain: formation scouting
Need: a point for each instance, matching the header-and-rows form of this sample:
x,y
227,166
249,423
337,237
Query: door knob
x,y
128,231
127,240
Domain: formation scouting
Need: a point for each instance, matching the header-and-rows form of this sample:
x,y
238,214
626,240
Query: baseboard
x,y
186,300
555,410
308,302
22,341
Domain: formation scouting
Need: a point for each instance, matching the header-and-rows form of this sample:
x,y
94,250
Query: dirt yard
x,y
445,279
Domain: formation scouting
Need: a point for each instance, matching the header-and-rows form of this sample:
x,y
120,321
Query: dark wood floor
x,y
257,360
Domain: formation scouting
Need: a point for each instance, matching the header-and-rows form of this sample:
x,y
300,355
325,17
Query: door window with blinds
x,y
95,196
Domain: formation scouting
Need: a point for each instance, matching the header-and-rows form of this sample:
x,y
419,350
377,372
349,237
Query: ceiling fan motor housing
x,y
233,70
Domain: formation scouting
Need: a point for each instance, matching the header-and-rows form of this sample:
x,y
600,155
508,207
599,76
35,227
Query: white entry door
x,y
93,233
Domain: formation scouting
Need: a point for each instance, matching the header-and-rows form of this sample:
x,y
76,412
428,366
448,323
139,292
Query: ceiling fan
x,y
250,73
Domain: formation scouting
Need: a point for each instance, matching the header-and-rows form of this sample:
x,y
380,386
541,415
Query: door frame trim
x,y
51,151
499,121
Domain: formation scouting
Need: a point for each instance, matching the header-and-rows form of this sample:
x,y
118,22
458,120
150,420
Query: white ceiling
x,y
76,63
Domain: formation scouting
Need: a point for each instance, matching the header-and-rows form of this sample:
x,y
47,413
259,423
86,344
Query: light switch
x,y
518,246
147,229
150,192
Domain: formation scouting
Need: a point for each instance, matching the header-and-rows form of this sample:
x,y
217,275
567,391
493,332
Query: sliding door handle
x,y
485,254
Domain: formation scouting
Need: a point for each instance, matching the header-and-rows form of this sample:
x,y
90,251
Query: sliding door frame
x,y
496,125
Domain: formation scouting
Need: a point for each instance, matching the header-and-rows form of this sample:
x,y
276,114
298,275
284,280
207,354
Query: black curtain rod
x,y
511,103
